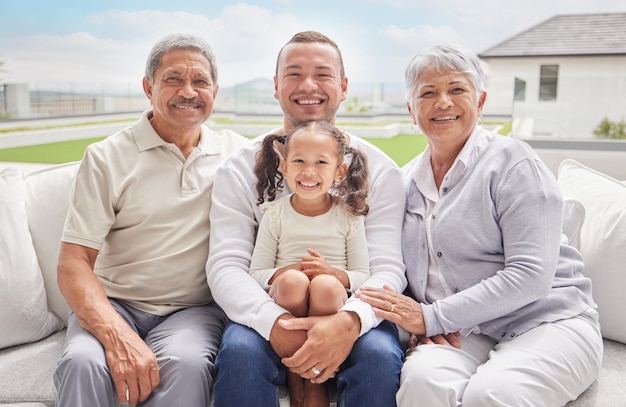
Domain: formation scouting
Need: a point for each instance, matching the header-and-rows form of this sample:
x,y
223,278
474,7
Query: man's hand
x,y
329,340
133,367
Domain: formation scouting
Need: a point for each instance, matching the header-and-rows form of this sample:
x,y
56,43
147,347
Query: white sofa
x,y
33,313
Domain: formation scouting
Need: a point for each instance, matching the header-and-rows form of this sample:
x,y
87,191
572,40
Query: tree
x,y
611,130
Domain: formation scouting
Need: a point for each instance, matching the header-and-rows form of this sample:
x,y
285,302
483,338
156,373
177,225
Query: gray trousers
x,y
185,344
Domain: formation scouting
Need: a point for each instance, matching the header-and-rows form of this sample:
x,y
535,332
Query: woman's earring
x,y
480,120
415,128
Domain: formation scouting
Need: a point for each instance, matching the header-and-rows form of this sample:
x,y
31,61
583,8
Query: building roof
x,y
571,34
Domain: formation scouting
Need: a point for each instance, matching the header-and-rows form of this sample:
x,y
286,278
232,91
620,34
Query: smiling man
x,y
143,327
360,355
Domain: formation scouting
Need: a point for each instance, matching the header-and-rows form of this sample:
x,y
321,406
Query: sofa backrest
x,y
47,201
607,161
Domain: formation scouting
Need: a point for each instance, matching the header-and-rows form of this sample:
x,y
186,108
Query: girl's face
x,y
312,165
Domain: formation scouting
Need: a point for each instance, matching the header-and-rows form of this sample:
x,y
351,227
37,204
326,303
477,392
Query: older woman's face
x,y
445,105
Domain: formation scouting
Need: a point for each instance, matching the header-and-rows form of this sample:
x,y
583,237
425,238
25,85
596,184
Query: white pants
x,y
546,366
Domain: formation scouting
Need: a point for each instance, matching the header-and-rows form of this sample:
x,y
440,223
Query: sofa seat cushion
x,y
24,314
26,371
602,240
610,387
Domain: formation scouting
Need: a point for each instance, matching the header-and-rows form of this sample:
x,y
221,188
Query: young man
x,y
352,346
143,327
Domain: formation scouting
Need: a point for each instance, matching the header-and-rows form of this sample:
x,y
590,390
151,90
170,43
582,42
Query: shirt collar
x,y
147,138
468,156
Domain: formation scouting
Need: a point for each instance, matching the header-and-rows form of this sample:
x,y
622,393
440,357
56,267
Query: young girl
x,y
310,249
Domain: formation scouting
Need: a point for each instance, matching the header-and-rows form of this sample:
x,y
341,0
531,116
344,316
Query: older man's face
x,y
182,93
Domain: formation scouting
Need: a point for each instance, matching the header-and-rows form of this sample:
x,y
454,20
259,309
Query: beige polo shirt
x,y
146,208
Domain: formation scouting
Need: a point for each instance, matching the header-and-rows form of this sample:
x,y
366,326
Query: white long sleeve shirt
x,y
284,236
235,216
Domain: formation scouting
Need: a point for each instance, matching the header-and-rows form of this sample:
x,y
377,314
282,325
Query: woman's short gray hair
x,y
179,41
444,58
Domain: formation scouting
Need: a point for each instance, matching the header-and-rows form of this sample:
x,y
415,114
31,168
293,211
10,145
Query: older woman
x,y
486,259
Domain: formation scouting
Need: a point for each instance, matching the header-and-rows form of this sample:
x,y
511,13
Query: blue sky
x,y
103,44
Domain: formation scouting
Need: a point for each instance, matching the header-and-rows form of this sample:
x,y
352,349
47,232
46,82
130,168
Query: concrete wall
x,y
17,99
608,157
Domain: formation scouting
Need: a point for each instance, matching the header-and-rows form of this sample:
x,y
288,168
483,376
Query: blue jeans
x,y
249,371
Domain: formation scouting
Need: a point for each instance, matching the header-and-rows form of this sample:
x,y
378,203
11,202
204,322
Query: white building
x,y
560,78
16,99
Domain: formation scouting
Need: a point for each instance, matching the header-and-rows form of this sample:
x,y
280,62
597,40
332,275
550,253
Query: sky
x,y
102,45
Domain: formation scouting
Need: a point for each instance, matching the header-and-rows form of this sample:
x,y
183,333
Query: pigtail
x,y
353,188
269,179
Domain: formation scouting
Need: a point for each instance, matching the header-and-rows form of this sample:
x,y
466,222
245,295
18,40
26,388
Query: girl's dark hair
x,y
351,191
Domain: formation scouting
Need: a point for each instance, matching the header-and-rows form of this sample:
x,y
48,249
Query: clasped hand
x,y
328,342
314,265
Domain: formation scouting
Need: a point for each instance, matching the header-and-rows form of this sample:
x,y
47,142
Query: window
x,y
548,82
519,91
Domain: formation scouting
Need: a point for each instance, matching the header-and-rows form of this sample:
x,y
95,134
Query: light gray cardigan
x,y
498,240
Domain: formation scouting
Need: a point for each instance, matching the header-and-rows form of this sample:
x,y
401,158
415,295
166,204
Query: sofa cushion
x,y
24,314
47,200
602,240
573,219
26,371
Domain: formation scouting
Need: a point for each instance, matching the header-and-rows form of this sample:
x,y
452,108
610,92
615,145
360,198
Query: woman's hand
x,y
397,308
445,340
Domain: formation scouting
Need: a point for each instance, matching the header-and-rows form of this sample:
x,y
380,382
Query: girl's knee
x,y
327,295
290,289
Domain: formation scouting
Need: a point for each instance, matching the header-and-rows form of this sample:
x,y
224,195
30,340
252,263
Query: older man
x,y
143,327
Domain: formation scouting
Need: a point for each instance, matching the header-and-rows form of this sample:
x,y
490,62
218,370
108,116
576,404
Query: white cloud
x,y
109,50
245,39
417,38
72,62
485,23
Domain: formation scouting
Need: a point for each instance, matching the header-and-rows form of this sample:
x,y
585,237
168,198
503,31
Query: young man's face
x,y
308,83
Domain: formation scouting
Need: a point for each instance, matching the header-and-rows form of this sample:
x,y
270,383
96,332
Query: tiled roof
x,y
572,34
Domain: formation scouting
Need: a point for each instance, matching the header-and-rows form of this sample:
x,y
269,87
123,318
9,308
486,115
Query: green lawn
x,y
52,153
400,148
